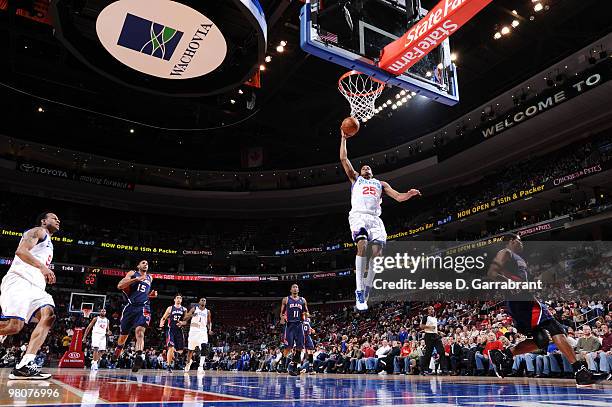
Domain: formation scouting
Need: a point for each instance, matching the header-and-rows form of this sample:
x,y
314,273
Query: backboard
x,y
352,33
80,301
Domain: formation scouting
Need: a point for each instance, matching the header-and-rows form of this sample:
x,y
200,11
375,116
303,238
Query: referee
x,y
429,324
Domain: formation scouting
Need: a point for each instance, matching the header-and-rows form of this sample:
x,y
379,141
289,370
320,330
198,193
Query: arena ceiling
x,y
293,116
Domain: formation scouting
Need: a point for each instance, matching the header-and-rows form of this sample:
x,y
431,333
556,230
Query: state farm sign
x,y
442,21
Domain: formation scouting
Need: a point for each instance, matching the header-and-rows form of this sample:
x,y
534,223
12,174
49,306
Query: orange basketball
x,y
350,126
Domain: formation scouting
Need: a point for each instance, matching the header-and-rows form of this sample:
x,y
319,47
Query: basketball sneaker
x,y
360,301
503,361
138,362
367,292
292,369
30,371
584,377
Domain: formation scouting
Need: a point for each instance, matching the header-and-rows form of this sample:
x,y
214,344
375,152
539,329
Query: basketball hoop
x,y
87,312
361,91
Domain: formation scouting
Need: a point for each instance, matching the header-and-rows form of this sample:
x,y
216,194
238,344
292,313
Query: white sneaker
x,y
360,301
382,372
188,366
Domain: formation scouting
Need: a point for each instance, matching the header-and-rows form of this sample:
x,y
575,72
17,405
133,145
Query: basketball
x,y
350,126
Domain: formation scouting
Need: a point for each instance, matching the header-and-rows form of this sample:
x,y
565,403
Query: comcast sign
x,y
161,38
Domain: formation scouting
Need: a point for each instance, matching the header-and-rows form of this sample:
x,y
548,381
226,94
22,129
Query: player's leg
x,y
360,237
139,360
26,368
204,349
11,326
369,281
378,238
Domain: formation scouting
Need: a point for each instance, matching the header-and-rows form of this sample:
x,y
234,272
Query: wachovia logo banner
x,y
161,38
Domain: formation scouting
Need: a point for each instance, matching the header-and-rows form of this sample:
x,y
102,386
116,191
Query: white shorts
x,y
372,224
196,338
98,341
21,299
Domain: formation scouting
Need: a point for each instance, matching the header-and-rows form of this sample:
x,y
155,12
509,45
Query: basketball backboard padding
x,y
358,59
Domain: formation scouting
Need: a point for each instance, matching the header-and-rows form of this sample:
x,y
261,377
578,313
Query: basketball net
x,y
361,91
87,312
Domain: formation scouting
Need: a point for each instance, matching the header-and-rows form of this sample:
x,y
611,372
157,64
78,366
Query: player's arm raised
x,y
29,240
89,327
127,281
498,264
163,319
346,164
283,319
399,196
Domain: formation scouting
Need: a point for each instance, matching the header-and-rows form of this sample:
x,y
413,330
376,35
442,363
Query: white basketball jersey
x,y
43,251
100,327
199,320
366,196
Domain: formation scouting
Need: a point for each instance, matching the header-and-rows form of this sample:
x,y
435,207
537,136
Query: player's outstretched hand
x,y
48,275
343,133
414,192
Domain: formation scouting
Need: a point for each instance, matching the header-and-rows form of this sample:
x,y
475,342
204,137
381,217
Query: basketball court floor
x,y
124,388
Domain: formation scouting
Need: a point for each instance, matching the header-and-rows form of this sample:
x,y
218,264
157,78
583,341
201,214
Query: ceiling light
x,y
131,131
538,7
240,92
397,96
413,93
268,58
404,99
40,109
232,101
428,74
389,101
403,92
280,48
283,43
505,31
454,56
515,12
515,23
497,35
394,107
262,67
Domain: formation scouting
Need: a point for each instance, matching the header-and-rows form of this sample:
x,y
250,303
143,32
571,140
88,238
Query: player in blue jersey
x,y
308,343
175,340
136,315
531,318
292,315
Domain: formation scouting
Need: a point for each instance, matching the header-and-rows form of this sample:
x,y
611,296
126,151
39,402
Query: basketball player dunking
x,y
23,297
136,315
532,318
364,219
99,328
175,340
292,314
199,329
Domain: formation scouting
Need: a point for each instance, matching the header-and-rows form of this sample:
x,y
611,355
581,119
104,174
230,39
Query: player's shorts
x,y
175,338
196,338
294,335
529,315
98,341
20,299
308,344
134,316
366,226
